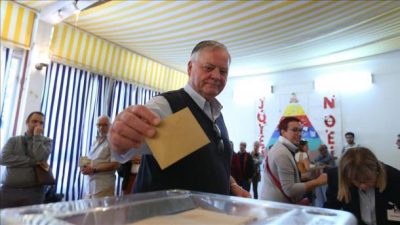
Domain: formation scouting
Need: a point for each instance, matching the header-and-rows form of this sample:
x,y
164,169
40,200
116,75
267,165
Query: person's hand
x,y
239,191
87,170
43,164
38,130
131,126
322,179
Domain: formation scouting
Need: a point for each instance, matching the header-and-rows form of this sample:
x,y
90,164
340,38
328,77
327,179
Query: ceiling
x,y
262,36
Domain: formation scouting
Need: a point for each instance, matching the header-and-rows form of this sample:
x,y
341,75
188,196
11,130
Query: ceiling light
x,y
60,10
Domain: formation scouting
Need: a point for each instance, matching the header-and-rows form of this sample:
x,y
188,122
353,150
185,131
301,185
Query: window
x,y
11,72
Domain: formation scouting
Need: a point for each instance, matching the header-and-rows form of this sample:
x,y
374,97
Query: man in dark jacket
x,y
243,167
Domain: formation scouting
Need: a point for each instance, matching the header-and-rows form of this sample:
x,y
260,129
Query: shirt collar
x,y
204,104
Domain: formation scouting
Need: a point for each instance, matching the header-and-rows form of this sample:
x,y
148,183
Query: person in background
x,y
324,159
365,187
235,188
208,69
129,172
308,170
398,141
243,167
302,157
282,181
20,155
350,141
257,159
100,172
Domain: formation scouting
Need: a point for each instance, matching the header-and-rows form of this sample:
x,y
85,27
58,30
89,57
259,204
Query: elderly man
x,y
282,180
208,168
20,155
100,172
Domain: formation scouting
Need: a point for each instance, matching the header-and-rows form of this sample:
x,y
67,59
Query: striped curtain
x,y
125,94
73,99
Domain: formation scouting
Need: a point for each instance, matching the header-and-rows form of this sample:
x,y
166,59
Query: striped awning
x,y
262,36
16,24
73,46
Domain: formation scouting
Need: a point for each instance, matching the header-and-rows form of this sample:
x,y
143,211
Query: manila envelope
x,y
177,136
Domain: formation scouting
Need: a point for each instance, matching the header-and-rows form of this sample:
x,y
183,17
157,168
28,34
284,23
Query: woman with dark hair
x,y
365,187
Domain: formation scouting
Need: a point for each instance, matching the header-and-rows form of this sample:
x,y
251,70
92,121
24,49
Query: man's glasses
x,y
220,142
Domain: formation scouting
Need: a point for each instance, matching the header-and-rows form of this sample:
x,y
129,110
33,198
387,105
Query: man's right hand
x,y
131,126
322,179
38,130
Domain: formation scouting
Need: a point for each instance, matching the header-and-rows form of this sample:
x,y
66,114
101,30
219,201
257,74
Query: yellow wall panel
x,y
74,46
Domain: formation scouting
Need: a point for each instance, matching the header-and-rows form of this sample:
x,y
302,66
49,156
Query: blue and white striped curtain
x,y
72,101
125,94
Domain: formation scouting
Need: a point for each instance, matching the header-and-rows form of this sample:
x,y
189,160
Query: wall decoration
x,y
319,113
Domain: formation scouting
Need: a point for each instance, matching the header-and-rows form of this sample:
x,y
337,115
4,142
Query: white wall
x,y
372,115
34,80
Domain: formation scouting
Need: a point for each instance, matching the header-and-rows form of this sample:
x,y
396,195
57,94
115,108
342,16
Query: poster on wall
x,y
320,115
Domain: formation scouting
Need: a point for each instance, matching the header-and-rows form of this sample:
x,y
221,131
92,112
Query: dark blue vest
x,y
205,170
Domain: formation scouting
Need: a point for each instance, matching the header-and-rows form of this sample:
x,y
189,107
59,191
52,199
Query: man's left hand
x,y
239,191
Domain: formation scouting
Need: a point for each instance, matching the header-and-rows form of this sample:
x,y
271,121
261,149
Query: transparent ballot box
x,y
173,207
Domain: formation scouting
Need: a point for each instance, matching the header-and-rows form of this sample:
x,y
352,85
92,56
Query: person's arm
x,y
286,171
41,147
101,167
13,156
321,180
237,190
104,161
